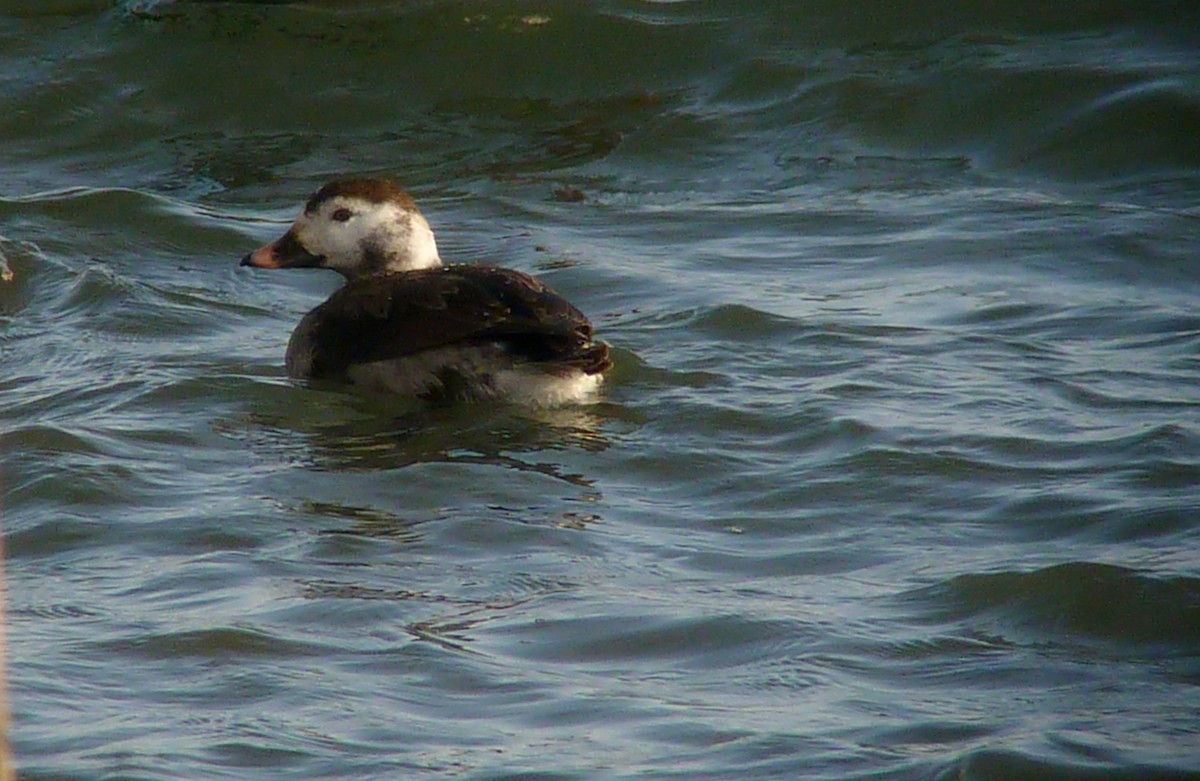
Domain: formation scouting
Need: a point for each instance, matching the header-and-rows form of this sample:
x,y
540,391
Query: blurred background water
x,y
898,474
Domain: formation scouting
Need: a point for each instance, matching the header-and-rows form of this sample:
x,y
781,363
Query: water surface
x,y
896,476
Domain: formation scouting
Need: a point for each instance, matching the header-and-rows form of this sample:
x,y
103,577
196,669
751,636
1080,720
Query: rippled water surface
x,y
897,476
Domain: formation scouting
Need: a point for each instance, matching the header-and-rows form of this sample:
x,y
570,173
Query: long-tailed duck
x,y
405,323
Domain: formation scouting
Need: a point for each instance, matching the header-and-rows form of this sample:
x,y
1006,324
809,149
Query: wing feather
x,y
392,315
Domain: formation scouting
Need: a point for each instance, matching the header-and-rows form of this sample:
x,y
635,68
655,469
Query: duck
x,y
405,323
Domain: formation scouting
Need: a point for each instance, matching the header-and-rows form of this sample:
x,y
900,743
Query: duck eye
x,y
341,215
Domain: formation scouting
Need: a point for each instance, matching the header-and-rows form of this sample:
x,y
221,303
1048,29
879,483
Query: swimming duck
x,y
404,323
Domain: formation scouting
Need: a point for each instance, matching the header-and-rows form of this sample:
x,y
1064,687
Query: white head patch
x,y
357,236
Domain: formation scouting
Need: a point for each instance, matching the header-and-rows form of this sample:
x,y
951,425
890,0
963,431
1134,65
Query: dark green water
x,y
898,475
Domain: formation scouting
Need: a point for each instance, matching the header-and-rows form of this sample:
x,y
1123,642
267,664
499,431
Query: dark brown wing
x,y
387,316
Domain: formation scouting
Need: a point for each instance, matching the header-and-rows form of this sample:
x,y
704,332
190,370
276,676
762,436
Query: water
x,y
896,477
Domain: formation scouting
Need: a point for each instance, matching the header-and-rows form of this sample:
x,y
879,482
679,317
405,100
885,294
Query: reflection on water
x,y
460,434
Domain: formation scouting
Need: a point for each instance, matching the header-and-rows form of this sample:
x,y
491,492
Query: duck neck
x,y
386,255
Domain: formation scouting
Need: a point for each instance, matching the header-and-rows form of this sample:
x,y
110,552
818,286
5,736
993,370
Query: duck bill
x,y
284,252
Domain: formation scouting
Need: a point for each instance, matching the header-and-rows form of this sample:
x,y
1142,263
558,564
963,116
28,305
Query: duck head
x,y
355,227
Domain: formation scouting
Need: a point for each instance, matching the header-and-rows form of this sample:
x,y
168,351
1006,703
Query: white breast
x,y
479,373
